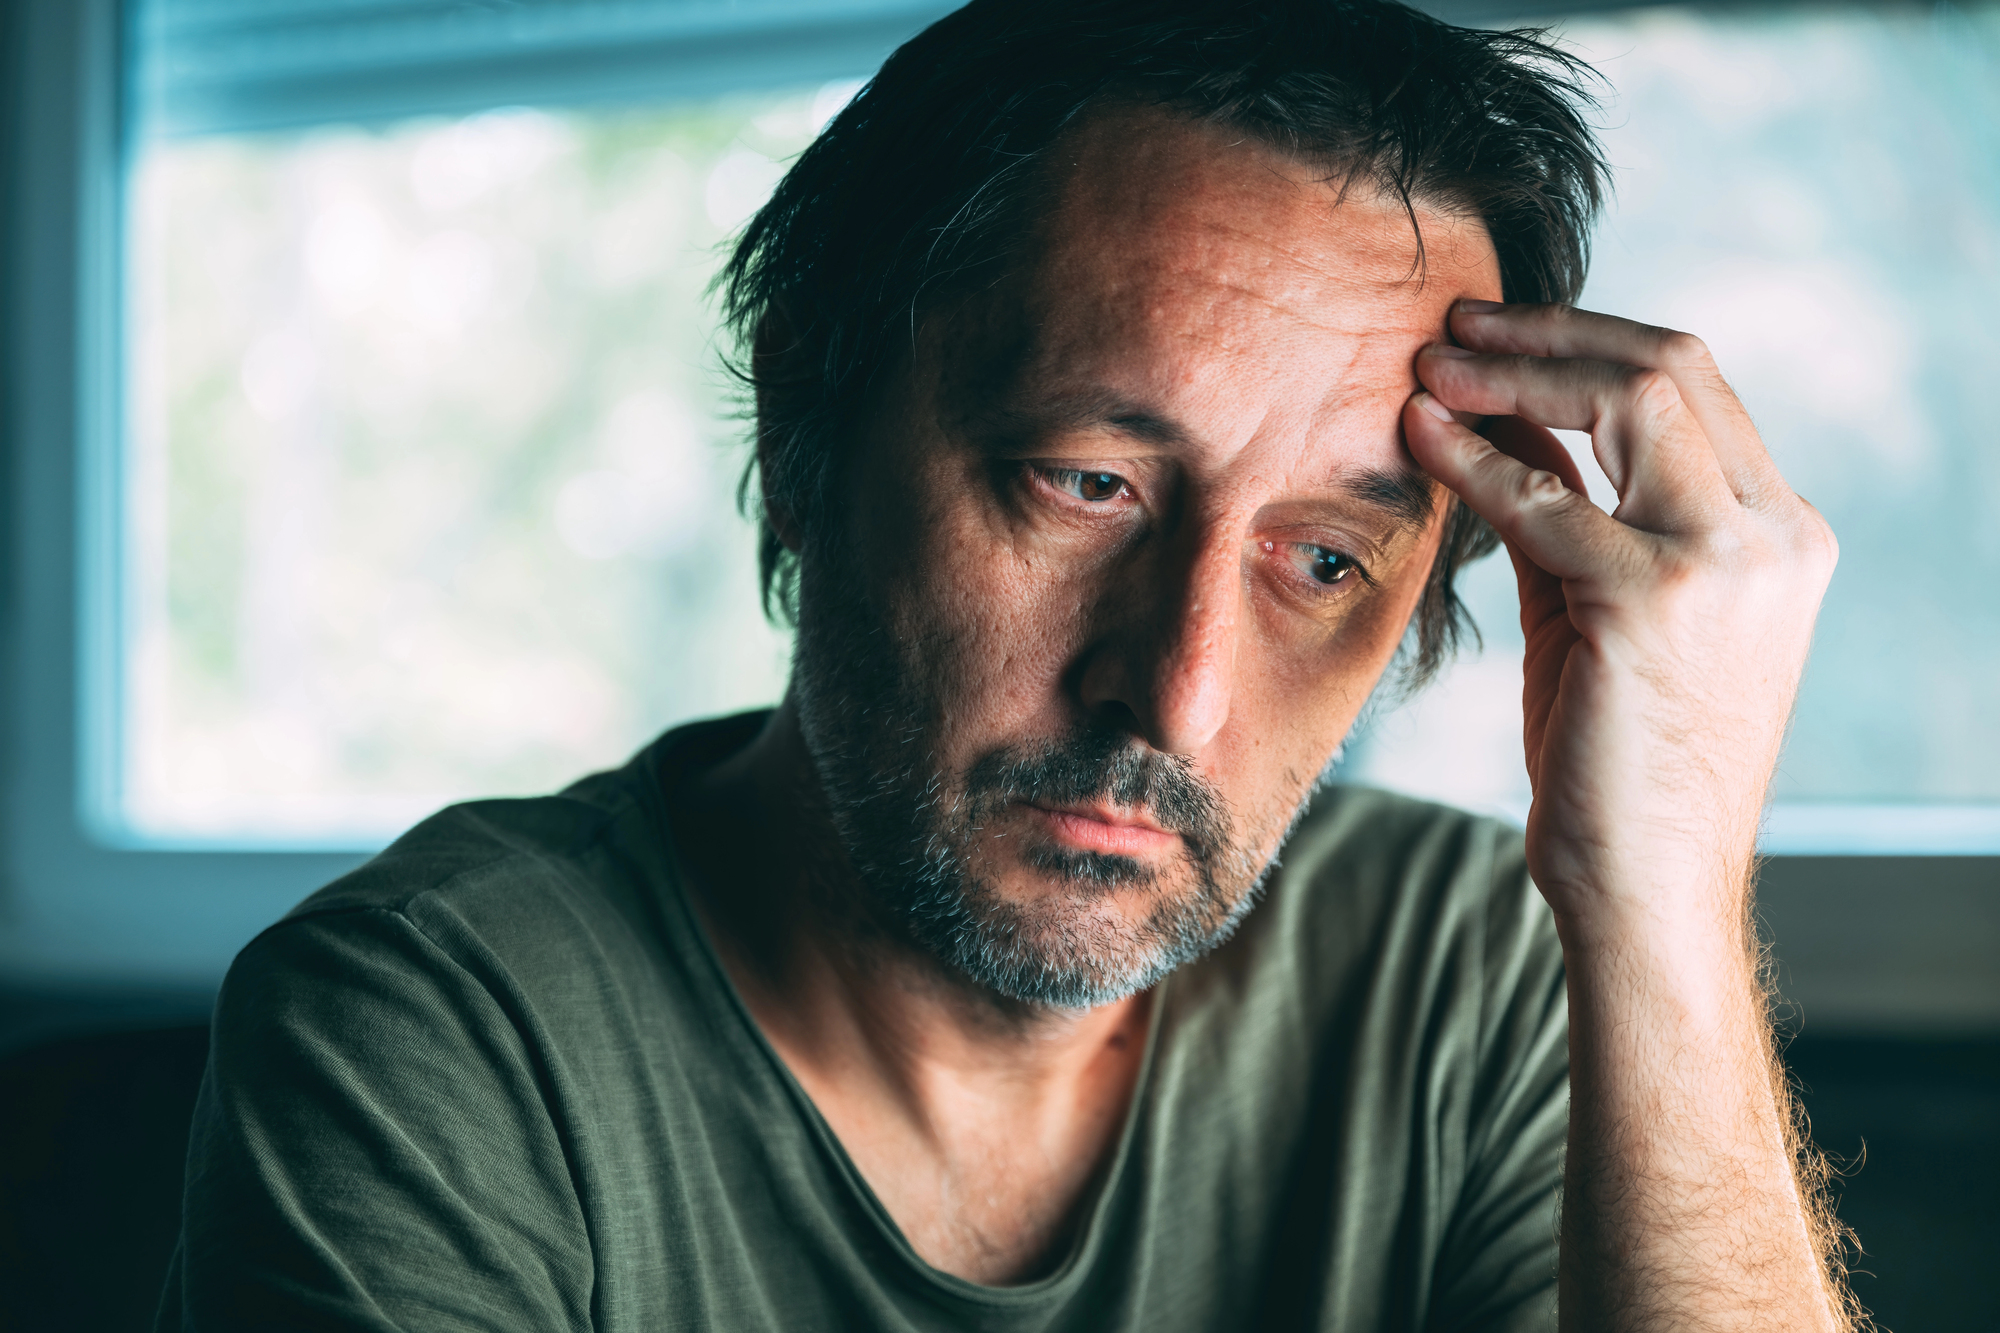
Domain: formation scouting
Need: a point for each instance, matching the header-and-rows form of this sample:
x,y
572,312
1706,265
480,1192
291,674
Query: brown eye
x,y
1327,566
1322,564
1095,487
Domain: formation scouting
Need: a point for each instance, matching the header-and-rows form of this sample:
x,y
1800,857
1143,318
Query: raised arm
x,y
1664,647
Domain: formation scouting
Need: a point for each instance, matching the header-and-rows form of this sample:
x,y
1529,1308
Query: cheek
x,y
1298,693
984,617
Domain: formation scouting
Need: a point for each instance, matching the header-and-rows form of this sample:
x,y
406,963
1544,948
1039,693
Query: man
x,y
1117,369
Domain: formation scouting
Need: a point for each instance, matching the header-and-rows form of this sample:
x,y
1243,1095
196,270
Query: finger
x,y
1532,508
1566,332
1653,450
1542,599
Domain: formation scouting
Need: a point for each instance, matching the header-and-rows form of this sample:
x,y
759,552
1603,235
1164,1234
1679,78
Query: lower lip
x,y
1095,835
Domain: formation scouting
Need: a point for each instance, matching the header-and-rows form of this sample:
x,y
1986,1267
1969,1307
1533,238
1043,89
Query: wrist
x,y
1699,930
1687,980
1651,903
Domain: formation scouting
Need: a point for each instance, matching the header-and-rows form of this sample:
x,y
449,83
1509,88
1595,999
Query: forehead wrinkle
x,y
1179,189
1328,255
1306,313
1295,247
1199,339
1299,281
1094,406
1183,307
1154,302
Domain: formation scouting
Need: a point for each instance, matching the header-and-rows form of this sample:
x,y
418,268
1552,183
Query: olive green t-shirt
x,y
497,1079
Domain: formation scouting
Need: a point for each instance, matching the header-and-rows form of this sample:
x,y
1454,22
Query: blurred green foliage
x,y
434,458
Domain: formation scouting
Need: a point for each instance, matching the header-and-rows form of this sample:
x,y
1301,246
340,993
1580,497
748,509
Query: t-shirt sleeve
x,y
373,1148
1497,1266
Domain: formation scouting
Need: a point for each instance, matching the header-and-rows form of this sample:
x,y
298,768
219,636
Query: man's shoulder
x,y
1379,842
496,939
1374,880
608,831
488,846
518,891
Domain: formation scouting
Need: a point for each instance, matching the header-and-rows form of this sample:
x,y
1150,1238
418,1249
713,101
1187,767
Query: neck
x,y
944,1094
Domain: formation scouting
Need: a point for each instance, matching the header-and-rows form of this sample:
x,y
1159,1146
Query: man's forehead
x,y
1192,289
1147,203
1179,260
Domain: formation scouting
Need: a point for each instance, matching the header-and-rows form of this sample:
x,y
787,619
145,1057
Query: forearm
x,y
1683,1204
1665,643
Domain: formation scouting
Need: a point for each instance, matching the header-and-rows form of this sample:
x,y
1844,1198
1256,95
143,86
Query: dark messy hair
x,y
924,189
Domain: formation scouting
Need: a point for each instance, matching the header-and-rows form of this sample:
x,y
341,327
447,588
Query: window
x,y
427,484
218,204
386,459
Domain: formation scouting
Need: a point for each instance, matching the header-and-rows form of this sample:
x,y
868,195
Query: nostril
x,y
1117,715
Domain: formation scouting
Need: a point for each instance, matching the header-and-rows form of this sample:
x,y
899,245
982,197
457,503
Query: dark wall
x,y
1886,944
93,1135
1911,1125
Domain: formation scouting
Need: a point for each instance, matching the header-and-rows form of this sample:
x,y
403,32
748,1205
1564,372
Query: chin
x,y
1059,927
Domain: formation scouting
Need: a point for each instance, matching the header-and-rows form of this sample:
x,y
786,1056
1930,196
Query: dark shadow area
x,y
93,1127
1918,1126
93,1134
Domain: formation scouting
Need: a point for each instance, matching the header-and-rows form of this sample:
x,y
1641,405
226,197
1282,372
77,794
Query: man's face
x,y
1128,542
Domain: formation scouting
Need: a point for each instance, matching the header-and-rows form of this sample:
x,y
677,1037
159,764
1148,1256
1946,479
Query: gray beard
x,y
909,830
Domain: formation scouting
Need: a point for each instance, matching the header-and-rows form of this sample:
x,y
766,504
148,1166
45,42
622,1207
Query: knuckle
x,y
1683,349
1816,543
1535,488
1558,315
1736,565
1694,365
1681,584
1724,548
1651,394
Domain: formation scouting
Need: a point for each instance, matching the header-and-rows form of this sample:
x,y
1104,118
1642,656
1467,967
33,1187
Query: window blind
x,y
208,66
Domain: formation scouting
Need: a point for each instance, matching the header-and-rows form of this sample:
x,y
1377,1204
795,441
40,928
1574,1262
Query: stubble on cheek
x,y
984,624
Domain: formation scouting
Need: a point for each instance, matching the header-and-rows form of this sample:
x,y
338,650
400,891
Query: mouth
x,y
1105,829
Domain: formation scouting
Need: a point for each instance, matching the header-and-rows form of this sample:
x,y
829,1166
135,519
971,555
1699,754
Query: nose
x,y
1170,660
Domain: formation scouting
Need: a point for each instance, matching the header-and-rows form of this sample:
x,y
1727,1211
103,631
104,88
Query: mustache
x,y
1097,764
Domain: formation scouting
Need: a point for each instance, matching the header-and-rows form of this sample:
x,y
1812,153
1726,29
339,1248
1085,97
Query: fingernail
x,y
1449,352
1432,405
1472,307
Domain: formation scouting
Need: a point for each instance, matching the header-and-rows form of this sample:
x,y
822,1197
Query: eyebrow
x,y
1407,494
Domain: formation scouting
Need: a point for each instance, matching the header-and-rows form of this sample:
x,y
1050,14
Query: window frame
x,y
79,909
78,902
